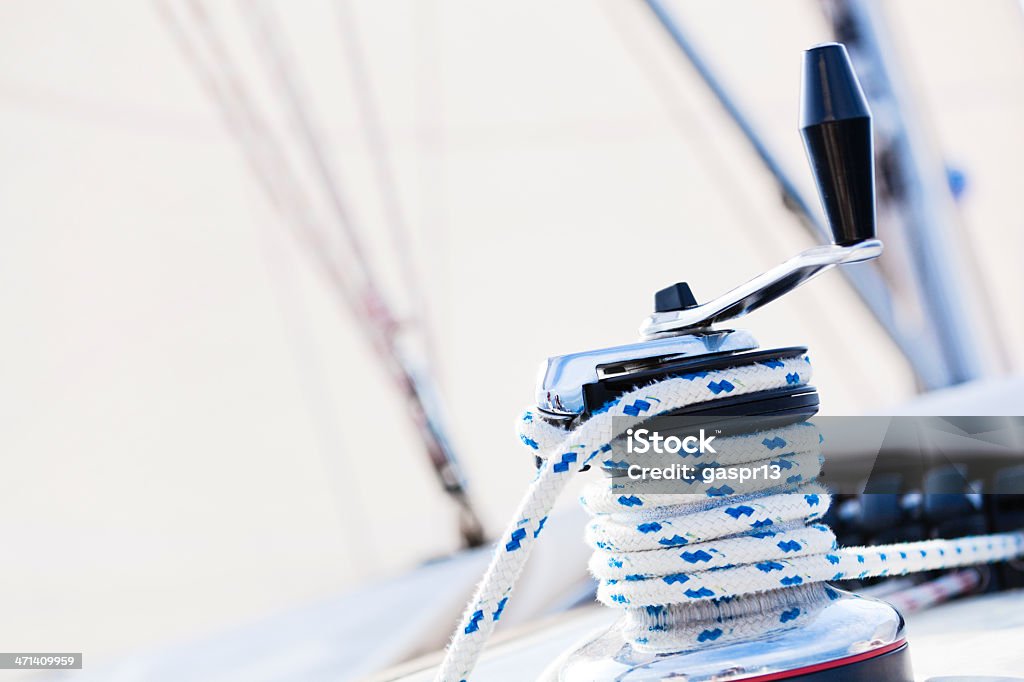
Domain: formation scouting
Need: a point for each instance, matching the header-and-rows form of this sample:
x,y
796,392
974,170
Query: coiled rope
x,y
654,551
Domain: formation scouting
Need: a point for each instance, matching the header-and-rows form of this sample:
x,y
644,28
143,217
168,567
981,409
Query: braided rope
x,y
675,627
656,553
561,454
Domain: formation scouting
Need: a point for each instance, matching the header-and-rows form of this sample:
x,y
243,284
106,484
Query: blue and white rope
x,y
656,550
676,627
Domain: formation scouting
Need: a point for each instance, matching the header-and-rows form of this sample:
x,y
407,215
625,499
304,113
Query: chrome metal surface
x,y
839,626
763,289
561,380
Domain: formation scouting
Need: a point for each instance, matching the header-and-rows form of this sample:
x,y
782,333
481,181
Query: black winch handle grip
x,y
835,123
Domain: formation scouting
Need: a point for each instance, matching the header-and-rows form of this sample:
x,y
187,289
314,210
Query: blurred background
x,y
232,232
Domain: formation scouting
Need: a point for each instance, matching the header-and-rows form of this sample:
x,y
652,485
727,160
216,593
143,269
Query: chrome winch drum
x,y
839,636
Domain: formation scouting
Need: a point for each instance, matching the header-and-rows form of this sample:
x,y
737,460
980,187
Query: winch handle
x,y
835,123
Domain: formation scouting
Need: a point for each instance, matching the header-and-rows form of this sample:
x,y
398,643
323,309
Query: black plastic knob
x,y
676,297
836,126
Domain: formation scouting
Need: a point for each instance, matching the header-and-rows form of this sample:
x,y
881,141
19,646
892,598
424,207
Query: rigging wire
x,y
279,63
269,164
245,125
261,149
431,154
321,402
387,182
410,380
